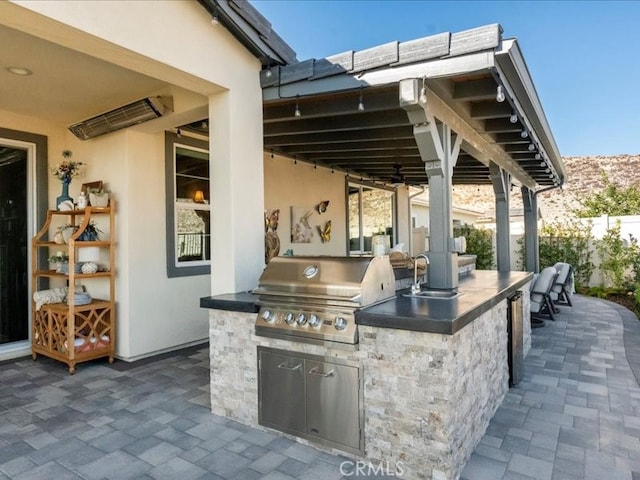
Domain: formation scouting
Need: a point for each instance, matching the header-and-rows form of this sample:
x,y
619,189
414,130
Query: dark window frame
x,y
170,140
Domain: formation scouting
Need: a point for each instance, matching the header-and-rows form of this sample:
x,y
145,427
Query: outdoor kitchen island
x,y
432,372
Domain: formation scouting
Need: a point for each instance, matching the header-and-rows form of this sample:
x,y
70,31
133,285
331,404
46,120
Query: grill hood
x,y
358,281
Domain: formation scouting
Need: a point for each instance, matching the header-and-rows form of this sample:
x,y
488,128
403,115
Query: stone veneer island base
x,y
428,397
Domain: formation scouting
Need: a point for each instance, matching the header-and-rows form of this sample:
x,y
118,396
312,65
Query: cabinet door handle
x,y
284,366
314,371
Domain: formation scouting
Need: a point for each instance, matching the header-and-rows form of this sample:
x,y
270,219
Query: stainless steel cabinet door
x,y
332,402
281,392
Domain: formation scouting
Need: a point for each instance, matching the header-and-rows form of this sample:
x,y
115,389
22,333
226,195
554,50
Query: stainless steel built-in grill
x,y
314,298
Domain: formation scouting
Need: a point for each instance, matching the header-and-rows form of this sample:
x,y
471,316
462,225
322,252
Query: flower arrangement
x,y
59,257
67,169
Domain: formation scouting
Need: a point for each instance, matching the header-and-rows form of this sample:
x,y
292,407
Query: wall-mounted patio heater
x,y
122,117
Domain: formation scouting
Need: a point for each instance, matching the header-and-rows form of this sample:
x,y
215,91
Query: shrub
x,y
619,261
479,243
612,200
564,242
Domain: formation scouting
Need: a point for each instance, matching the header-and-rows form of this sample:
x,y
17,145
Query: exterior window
x,y
371,211
188,207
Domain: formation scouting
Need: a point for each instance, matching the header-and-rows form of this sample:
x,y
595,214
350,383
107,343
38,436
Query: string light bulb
x,y
532,147
423,92
524,133
500,96
296,112
215,21
514,117
268,73
360,102
538,156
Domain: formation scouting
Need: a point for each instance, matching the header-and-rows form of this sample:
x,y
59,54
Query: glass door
x,y
14,245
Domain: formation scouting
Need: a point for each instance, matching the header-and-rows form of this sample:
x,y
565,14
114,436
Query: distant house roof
x,y
252,30
343,111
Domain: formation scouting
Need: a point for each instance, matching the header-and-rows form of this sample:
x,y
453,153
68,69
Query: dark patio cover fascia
x,y
251,29
461,73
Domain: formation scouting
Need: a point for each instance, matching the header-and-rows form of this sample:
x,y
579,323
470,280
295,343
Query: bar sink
x,y
437,294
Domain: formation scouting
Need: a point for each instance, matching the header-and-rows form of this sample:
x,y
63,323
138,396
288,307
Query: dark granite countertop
x,y
480,290
245,302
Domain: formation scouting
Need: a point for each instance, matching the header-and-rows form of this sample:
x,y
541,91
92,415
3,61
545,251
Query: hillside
x,y
583,176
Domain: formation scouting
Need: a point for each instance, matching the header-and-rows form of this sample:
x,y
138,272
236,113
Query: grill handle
x,y
314,371
284,366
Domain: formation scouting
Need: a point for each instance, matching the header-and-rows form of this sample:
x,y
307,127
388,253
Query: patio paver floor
x,y
575,415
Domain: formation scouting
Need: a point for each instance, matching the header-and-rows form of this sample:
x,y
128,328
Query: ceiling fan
x,y
398,177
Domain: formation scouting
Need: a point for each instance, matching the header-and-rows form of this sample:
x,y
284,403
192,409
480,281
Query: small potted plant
x,y
91,233
64,232
59,258
98,197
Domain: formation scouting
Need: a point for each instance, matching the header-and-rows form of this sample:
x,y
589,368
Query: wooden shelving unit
x,y
68,332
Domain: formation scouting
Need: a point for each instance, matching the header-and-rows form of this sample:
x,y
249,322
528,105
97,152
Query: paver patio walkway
x,y
575,415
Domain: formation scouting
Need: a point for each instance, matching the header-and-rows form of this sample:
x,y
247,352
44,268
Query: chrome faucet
x,y
415,287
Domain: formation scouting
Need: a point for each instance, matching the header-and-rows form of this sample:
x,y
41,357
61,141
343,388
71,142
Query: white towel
x,y
54,295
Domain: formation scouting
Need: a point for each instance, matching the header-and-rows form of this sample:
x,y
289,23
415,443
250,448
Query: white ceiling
x,y
66,86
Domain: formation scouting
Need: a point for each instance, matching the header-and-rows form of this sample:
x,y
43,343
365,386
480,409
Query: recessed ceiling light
x,y
19,71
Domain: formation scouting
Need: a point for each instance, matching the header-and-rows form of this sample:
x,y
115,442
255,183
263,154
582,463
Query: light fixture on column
x,y
296,112
360,102
524,133
532,147
178,133
500,96
514,117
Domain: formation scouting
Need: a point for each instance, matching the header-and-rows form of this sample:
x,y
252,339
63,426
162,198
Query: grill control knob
x,y
301,319
314,321
267,316
341,323
289,318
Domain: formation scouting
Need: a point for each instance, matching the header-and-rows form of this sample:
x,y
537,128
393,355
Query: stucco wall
x,y
300,185
156,313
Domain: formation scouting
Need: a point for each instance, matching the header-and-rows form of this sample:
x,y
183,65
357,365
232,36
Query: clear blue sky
x,y
584,56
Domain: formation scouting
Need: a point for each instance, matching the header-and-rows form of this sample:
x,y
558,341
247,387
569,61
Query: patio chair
x,y
541,303
562,288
